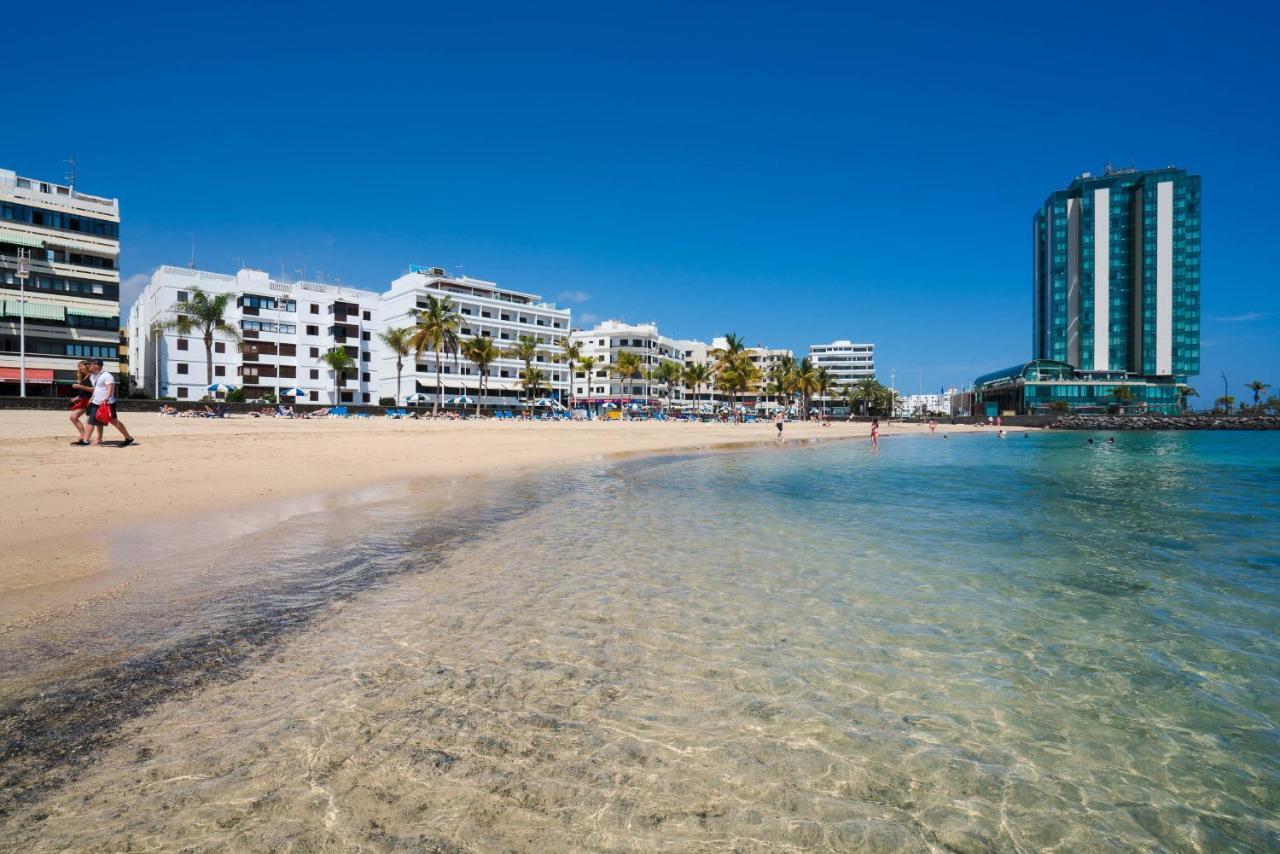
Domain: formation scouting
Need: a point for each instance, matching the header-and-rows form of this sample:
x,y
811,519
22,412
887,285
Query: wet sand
x,y
62,501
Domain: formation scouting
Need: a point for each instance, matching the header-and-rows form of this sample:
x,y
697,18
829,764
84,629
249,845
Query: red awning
x,y
35,376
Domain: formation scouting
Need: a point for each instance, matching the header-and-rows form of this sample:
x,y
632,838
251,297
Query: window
x,y
313,330
506,317
312,396
315,352
366,397
486,314
466,311
182,368
219,371
182,392
347,396
364,357
315,309
506,373
466,330
364,336
366,316
315,375
182,343
219,347
364,378
183,296
288,350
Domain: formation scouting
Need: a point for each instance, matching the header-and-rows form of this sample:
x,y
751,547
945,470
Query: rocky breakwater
x,y
1167,422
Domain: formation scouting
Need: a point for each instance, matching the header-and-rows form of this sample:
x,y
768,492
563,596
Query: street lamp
x,y
23,256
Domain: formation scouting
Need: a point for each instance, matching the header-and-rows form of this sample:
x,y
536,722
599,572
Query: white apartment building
x,y
286,328
59,280
500,313
604,343
848,362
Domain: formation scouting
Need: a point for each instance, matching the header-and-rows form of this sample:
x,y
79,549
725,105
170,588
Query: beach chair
x,y
337,412
391,413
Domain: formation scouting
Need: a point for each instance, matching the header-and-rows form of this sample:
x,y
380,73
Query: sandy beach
x,y
62,501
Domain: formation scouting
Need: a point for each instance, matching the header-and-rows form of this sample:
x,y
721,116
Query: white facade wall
x,y
322,317
487,309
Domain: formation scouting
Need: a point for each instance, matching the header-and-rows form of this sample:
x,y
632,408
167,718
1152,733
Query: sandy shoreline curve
x,y
62,501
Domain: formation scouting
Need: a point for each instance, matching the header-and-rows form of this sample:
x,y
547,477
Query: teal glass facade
x,y
1146,240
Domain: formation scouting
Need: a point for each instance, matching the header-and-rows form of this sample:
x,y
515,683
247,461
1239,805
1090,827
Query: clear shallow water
x,y
966,643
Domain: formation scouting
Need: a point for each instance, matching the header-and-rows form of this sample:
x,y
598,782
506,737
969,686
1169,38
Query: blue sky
x,y
793,173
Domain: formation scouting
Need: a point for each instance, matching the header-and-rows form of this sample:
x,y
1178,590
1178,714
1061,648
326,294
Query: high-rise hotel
x,y
1116,281
59,283
1115,296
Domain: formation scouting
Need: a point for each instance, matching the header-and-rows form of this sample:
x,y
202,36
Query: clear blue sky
x,y
794,173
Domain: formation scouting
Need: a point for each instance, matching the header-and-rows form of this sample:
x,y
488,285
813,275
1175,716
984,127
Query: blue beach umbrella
x,y
417,397
221,387
460,400
292,392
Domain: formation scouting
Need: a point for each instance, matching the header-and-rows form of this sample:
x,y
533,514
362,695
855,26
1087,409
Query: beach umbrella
x,y
460,400
635,407
608,404
221,387
417,397
546,401
292,392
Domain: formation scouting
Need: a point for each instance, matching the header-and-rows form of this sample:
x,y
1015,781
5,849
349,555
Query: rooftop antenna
x,y
192,264
71,174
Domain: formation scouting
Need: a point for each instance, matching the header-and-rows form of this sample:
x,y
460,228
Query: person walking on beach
x,y
778,421
875,432
102,406
80,402
933,425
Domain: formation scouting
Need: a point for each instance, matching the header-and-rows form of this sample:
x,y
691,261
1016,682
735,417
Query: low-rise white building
x,y
488,310
286,328
604,343
927,404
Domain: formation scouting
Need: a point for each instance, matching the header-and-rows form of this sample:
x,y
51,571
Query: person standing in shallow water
x,y
778,421
875,432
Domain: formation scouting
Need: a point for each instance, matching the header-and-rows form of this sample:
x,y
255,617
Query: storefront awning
x,y
35,376
84,311
20,239
35,310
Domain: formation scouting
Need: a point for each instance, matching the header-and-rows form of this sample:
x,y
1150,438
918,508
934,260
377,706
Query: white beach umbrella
x,y
460,400
417,397
292,392
546,401
221,387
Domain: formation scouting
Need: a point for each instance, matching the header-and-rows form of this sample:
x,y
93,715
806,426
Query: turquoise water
x,y
965,643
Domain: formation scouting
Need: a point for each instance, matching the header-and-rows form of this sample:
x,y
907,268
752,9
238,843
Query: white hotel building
x,y
286,327
487,309
848,362
64,246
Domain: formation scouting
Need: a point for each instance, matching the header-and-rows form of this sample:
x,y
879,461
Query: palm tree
x,y
782,378
340,361
570,352
848,394
697,374
1258,387
868,392
481,352
203,312
824,380
437,331
628,367
532,381
1123,394
588,364
526,350
1183,393
669,374
1225,403
806,382
397,341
